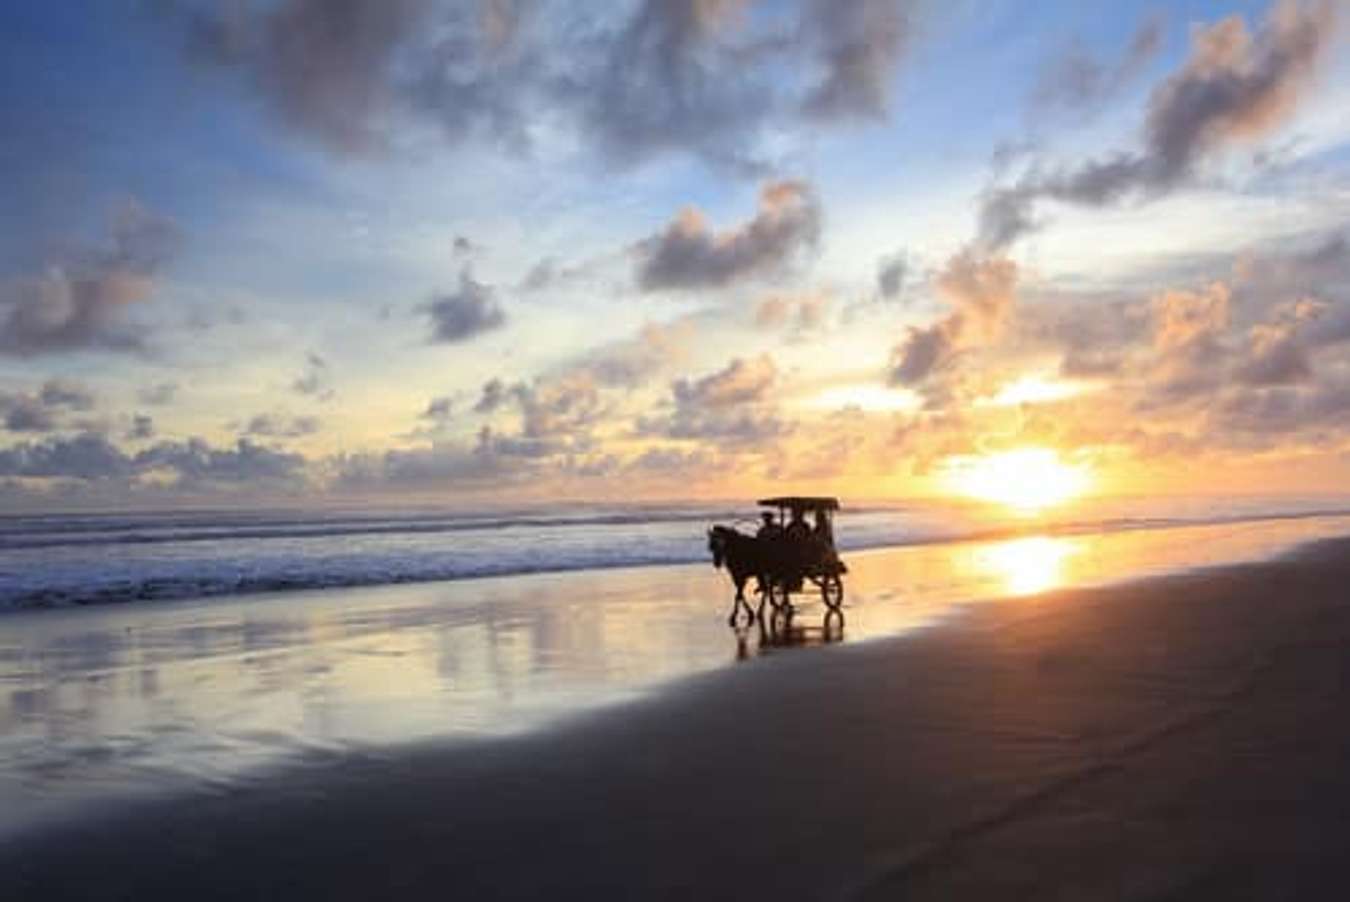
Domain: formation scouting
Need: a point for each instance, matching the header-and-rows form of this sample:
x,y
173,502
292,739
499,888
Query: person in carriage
x,y
769,530
822,530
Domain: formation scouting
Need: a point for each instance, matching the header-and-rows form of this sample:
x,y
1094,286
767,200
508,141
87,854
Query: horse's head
x,y
717,544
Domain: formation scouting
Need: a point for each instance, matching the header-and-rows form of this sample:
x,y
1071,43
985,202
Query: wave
x,y
38,574
94,532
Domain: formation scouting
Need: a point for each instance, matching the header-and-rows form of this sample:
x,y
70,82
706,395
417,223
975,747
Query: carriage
x,y
784,560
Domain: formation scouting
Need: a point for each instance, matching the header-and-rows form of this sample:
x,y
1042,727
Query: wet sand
x,y
1180,737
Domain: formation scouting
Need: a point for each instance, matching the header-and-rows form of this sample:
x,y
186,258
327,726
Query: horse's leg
x,y
739,600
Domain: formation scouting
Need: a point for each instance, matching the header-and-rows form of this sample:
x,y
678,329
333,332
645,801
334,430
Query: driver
x,y
769,529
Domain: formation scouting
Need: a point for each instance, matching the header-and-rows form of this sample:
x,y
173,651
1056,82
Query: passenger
x,y
769,529
799,550
822,529
797,530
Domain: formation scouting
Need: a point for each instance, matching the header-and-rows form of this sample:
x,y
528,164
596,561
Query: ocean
x,y
65,560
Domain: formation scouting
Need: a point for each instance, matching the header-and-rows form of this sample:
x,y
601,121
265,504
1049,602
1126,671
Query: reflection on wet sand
x,y
773,633
1029,565
99,702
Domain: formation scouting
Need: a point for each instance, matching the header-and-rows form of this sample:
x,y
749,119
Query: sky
x,y
330,251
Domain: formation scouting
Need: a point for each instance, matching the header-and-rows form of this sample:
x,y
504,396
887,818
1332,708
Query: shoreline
x,y
1173,734
162,591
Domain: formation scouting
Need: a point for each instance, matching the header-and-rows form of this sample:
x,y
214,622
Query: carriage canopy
x,y
801,502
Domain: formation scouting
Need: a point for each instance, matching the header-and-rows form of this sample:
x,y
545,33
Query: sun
x,y
1025,479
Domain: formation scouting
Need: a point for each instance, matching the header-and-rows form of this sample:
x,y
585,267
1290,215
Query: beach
x,y
1159,732
415,417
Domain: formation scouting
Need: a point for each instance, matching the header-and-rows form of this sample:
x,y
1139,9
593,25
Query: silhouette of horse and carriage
x,y
784,555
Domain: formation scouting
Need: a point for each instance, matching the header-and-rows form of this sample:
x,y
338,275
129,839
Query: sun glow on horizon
x,y
1025,479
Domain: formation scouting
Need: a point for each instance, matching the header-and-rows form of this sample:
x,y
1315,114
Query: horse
x,y
745,556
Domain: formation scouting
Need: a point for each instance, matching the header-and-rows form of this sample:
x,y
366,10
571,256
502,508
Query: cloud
x,y
568,406
856,45
700,75
731,405
1265,417
739,382
549,273
1094,331
45,410
86,456
557,416
24,413
440,465
921,352
541,275
439,409
1276,357
327,67
558,412
60,393
1188,328
745,427
668,79
560,405
1319,274
709,77
1253,332
678,461
142,428
465,313
1235,87
688,255
492,460
197,463
981,292
891,272
79,303
483,72
1077,82
158,394
1187,319
272,425
314,381
630,363
803,314
494,396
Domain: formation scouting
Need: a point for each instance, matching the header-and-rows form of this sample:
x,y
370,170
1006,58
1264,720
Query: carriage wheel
x,y
832,592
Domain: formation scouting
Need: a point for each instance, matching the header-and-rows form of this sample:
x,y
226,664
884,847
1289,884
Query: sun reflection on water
x,y
1028,565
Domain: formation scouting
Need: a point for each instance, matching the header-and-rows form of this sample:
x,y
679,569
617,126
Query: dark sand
x,y
1185,737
